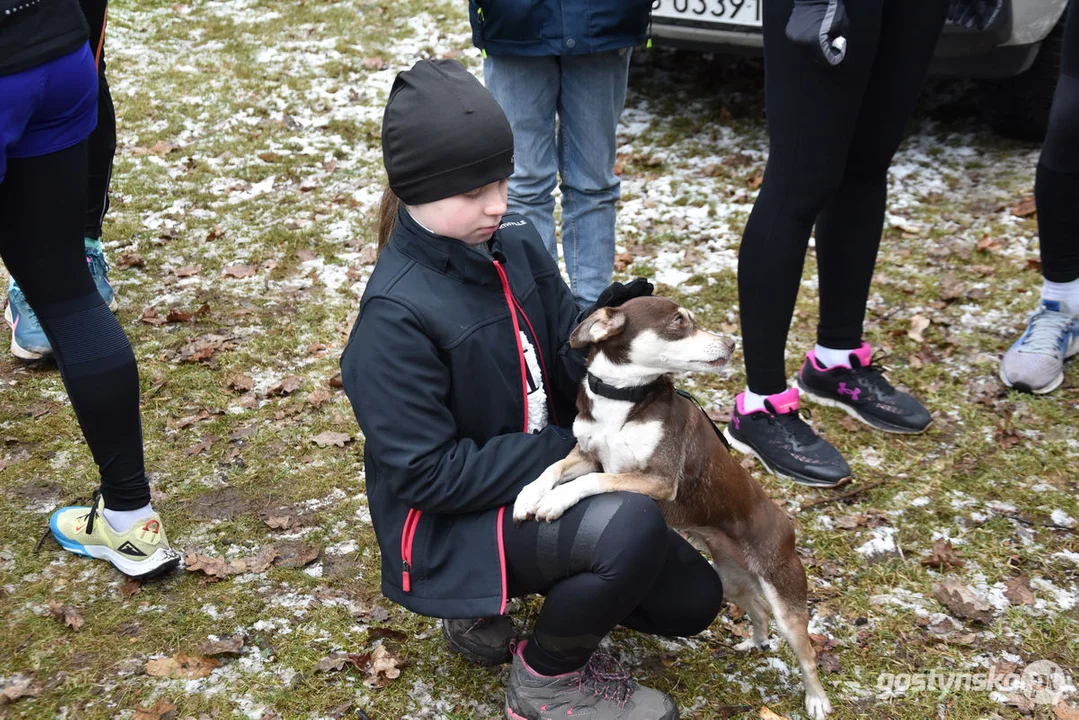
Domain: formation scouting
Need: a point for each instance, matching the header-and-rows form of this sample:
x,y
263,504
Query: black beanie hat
x,y
443,133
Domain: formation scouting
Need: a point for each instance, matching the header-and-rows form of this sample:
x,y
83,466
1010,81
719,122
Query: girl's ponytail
x,y
387,218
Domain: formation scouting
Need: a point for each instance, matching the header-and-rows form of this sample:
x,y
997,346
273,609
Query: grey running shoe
x,y
484,641
1035,362
602,690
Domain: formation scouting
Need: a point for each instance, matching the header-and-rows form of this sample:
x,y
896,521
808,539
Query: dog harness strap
x,y
633,394
719,433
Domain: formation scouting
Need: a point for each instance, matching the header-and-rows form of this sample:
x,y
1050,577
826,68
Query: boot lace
x,y
1045,330
607,678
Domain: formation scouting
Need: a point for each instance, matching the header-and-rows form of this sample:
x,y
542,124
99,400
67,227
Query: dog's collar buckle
x,y
634,394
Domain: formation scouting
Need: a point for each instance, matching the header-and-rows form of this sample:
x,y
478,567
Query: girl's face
x,y
470,217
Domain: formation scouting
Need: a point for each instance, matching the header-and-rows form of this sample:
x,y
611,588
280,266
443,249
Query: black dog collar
x,y
633,394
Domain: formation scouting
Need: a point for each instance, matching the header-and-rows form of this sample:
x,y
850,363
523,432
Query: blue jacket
x,y
557,27
434,373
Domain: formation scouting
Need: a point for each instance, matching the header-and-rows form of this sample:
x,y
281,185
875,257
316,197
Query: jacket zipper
x,y
408,534
542,363
517,338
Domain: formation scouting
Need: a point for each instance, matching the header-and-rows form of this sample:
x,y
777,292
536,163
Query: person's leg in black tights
x,y
1056,185
42,203
102,145
609,560
849,228
812,111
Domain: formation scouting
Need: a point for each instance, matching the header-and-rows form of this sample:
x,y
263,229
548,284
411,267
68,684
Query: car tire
x,y
1018,107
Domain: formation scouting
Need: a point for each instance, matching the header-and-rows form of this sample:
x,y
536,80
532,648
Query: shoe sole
x,y
780,472
162,561
16,349
875,424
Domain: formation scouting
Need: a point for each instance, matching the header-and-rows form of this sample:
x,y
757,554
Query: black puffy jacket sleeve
x,y
399,387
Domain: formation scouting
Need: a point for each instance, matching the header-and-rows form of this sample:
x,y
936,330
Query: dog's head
x,y
651,335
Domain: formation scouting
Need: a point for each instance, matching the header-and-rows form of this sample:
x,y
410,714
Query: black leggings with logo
x,y
610,560
1056,185
832,134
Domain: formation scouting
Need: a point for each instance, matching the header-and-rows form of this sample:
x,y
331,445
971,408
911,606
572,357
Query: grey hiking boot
x,y
484,641
602,690
1035,362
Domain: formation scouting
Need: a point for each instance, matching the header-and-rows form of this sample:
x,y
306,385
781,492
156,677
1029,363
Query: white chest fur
x,y
619,446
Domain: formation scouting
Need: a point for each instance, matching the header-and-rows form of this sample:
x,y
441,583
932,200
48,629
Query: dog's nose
x,y
728,343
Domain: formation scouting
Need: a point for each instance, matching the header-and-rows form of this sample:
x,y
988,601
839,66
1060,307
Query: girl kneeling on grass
x,y
463,382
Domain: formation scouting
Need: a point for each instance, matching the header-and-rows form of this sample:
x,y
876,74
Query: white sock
x,y
752,402
830,358
122,520
1067,294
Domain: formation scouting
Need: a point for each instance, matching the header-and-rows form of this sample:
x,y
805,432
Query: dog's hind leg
x,y
792,619
742,589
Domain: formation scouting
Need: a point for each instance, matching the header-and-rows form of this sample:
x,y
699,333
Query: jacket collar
x,y
445,255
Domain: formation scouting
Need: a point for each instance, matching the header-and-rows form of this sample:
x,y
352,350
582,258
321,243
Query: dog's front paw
x,y
751,643
556,502
818,706
529,498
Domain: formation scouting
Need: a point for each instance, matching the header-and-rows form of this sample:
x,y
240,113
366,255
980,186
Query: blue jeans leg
x,y
527,90
593,95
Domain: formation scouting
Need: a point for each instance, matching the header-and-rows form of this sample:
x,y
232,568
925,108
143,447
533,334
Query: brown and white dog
x,y
636,433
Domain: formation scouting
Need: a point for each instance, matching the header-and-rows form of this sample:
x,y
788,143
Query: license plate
x,y
708,12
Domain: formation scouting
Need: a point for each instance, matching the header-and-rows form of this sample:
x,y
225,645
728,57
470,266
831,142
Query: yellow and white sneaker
x,y
141,552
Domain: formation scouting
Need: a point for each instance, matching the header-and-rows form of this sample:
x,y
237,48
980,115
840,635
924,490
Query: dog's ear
x,y
601,325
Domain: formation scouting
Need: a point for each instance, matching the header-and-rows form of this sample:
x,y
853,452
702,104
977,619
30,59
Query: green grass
x,y
216,81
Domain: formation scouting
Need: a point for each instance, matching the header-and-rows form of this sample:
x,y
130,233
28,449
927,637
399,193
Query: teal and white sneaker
x,y
28,340
1035,362
99,269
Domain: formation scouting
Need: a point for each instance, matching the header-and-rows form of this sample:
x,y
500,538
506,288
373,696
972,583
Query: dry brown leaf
x,y
126,260
943,556
130,587
219,568
962,602
215,233
335,381
951,288
918,325
329,437
368,255
203,445
988,244
288,385
161,710
66,614
19,689
766,713
1018,591
239,271
756,180
177,316
318,397
296,554
150,317
182,665
1025,207
374,63
228,646
187,271
338,660
385,666
828,663
622,261
241,383
192,419
1065,712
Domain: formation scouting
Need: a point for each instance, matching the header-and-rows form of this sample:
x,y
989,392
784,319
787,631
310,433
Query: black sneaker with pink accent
x,y
861,390
601,690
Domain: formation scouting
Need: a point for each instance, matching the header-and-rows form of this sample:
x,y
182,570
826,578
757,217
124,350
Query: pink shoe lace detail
x,y
607,679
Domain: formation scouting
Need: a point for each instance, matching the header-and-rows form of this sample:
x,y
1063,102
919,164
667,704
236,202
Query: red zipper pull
x,y
406,578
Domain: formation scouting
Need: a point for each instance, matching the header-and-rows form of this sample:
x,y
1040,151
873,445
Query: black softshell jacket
x,y
435,373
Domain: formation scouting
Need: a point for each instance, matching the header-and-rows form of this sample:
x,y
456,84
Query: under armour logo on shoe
x,y
844,390
130,549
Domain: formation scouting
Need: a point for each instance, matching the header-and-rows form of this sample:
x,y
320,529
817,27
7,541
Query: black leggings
x,y
832,134
102,145
41,214
610,560
1056,185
